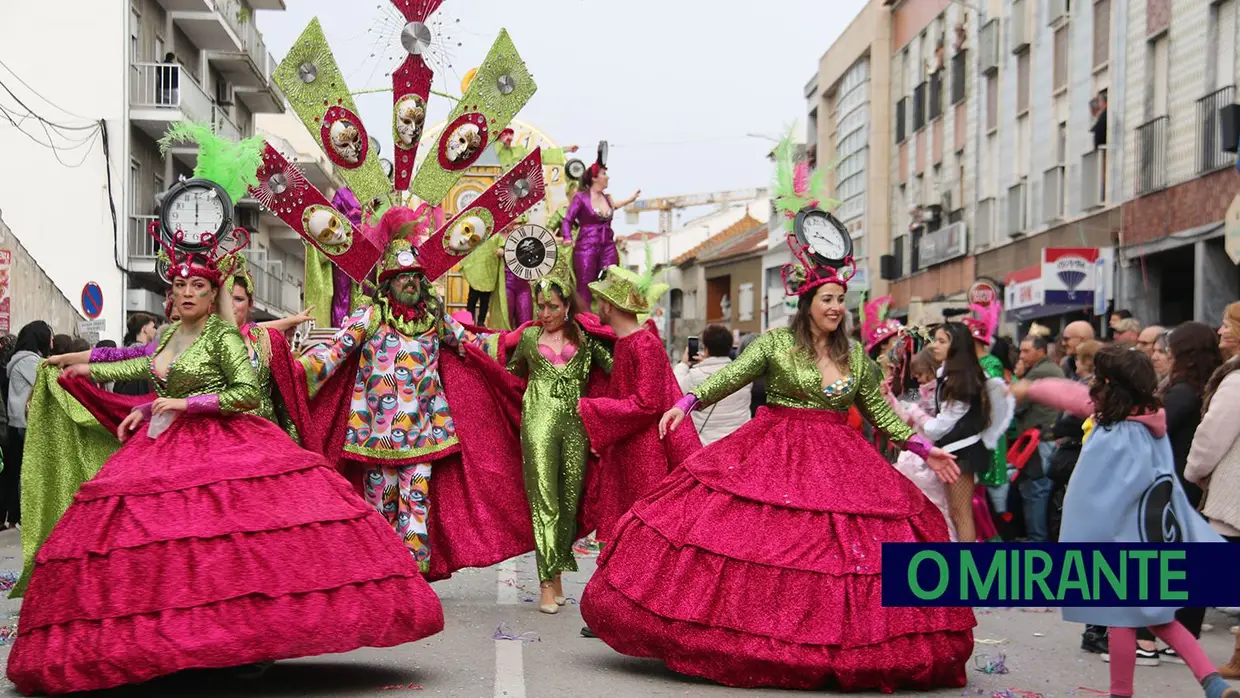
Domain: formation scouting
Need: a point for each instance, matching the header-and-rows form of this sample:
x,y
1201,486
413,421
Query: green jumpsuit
x,y
554,444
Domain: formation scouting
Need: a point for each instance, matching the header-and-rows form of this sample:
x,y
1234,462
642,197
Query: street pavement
x,y
1041,652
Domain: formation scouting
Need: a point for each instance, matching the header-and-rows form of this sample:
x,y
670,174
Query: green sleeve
x,y
600,355
242,392
871,403
519,363
135,369
748,367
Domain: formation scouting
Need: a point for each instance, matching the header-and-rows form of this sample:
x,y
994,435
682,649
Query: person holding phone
x,y
702,359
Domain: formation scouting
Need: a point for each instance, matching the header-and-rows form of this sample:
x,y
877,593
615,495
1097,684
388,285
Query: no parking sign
x,y
92,300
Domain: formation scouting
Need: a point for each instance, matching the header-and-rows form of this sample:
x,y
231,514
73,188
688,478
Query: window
x,y
897,251
1061,58
1102,33
1061,144
935,108
992,102
1159,55
1022,83
1221,56
160,187
958,75
919,107
901,108
135,185
745,302
135,36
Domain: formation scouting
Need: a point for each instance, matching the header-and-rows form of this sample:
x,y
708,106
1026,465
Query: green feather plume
x,y
790,195
232,165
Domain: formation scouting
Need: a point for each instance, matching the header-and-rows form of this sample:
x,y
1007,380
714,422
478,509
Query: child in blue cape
x,y
1126,470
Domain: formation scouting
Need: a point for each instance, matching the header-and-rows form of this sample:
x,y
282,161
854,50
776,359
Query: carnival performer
x,y
385,384
484,271
877,331
773,478
94,617
1125,466
591,210
557,358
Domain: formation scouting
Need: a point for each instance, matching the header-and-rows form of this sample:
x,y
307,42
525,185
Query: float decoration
x,y
411,86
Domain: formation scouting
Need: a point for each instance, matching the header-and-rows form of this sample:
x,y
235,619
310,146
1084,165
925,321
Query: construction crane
x,y
666,206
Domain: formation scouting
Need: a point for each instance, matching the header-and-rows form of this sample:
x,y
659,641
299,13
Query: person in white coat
x,y
729,414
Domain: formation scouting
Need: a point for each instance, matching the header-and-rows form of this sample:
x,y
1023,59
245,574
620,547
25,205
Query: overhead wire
x,y
36,93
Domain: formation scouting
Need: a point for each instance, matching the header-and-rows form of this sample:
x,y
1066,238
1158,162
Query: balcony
x,y
224,125
273,293
1211,154
161,94
248,65
1152,155
141,246
205,23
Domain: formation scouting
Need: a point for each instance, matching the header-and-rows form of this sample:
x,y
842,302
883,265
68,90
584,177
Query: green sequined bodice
x,y
793,380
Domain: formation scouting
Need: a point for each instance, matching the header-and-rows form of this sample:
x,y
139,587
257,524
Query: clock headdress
x,y
218,260
798,191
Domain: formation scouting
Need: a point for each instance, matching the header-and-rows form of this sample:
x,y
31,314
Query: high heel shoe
x,y
558,587
548,608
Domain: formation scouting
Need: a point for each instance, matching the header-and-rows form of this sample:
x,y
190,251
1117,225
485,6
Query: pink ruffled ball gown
x,y
219,543
757,562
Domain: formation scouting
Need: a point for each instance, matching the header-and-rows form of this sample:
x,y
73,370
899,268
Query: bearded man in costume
x,y
386,381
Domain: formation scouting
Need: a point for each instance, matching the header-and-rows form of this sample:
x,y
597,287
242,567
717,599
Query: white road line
x,y
509,654
506,592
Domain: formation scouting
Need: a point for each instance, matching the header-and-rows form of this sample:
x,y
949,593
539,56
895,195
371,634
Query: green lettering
x,y
1103,568
1143,558
1072,576
970,577
1037,577
1014,588
915,587
1166,575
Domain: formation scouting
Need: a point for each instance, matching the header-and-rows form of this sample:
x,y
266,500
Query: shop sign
x,y
1024,289
942,245
1070,275
983,293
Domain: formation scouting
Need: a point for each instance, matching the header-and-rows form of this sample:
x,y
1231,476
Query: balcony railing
x,y
241,19
171,87
1152,155
1210,153
142,246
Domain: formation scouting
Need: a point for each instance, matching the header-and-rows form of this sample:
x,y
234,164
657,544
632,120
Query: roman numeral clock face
x,y
530,252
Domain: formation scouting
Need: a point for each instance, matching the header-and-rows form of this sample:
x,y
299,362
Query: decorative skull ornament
x,y
346,141
410,117
464,143
326,228
467,234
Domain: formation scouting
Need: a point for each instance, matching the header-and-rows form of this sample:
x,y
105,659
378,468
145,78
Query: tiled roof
x,y
730,234
749,243
638,236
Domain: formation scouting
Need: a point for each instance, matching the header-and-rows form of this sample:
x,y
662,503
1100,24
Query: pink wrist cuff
x,y
145,409
919,446
203,404
688,403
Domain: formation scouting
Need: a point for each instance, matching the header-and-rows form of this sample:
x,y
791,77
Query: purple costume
x,y
520,298
595,249
108,355
345,202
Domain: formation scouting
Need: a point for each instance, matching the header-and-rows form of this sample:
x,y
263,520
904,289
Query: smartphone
x,y
694,348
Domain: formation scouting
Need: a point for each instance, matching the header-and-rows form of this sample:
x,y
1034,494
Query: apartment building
x,y
81,208
933,161
1180,67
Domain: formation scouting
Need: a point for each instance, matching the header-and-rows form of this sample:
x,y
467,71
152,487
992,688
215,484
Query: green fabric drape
x,y
318,286
65,447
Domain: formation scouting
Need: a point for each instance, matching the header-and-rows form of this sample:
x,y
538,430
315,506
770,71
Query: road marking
x,y
509,669
509,654
506,591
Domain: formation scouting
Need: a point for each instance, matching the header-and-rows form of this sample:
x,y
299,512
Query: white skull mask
x,y
346,141
464,142
327,228
410,116
466,234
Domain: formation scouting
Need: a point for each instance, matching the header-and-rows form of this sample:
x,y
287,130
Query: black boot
x,y
587,632
1094,639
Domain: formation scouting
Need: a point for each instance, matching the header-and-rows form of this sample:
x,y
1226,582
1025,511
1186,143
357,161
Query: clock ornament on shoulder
x,y
530,252
824,236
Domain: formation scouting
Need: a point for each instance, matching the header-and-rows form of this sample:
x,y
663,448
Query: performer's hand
x,y
1020,390
943,464
168,404
304,316
670,420
65,360
78,371
571,149
128,425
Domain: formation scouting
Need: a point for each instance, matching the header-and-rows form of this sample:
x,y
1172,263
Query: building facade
x,y
121,98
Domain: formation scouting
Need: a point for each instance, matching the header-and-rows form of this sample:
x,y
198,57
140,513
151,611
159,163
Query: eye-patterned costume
x,y
796,601
385,379
553,440
195,504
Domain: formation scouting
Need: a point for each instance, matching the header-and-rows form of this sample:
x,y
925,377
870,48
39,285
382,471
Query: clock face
x,y
825,239
530,252
197,212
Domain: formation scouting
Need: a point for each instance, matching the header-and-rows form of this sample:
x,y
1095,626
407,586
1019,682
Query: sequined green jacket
x,y
793,380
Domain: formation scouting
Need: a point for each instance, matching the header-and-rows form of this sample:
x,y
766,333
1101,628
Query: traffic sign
x,y
92,300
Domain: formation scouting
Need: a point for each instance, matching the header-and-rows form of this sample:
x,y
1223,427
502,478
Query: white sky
x,y
673,85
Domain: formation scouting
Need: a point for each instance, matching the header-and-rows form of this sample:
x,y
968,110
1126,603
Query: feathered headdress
x,y
985,322
236,270
796,189
875,327
212,264
232,165
630,291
